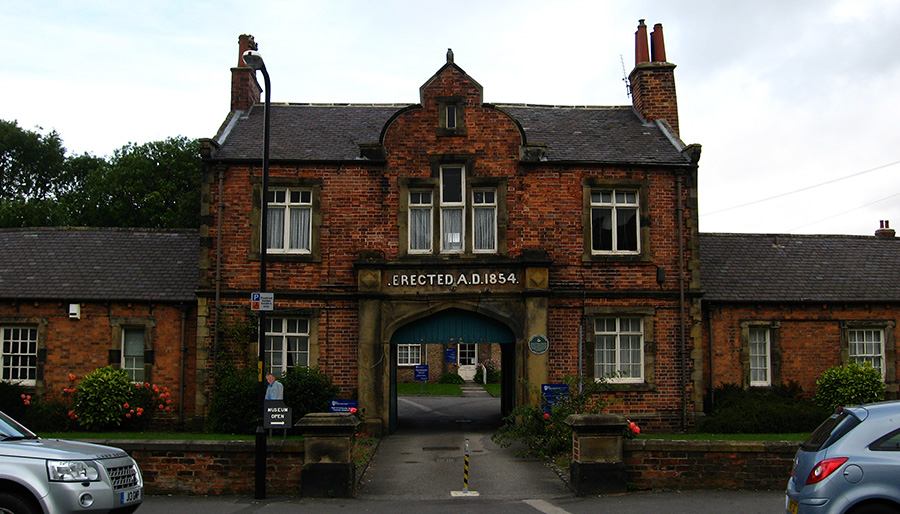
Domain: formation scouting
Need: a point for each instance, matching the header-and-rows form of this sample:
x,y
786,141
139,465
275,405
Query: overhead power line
x,y
807,188
842,213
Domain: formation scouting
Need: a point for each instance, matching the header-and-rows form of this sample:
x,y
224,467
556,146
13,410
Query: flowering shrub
x,y
632,430
545,434
106,399
493,372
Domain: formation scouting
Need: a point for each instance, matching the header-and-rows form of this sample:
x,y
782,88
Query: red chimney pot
x,y
641,52
657,45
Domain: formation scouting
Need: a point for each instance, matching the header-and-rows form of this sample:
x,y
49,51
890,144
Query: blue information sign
x,y
421,373
343,405
450,355
553,394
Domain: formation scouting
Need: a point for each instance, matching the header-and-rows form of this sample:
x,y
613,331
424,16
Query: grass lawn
x,y
493,389
156,436
726,437
429,389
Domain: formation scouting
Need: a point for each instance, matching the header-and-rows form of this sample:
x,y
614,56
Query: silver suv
x,y
52,476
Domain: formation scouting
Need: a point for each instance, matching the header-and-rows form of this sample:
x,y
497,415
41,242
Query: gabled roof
x,y
99,264
309,132
799,268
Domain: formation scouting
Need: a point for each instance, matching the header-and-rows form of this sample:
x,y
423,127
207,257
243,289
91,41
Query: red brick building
x,y
74,300
557,240
779,308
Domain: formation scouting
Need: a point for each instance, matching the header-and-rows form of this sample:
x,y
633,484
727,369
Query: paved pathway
x,y
425,458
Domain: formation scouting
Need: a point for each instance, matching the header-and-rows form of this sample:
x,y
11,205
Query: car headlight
x,y
72,471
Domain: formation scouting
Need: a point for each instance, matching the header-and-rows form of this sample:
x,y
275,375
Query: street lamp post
x,y
255,61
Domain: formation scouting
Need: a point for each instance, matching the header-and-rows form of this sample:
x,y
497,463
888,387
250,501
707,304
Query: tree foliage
x,y
153,185
33,176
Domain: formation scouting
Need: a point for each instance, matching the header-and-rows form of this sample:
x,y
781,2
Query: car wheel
x,y
875,508
11,503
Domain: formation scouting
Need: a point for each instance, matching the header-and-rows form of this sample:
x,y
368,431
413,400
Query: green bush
x,y
451,378
852,384
780,409
545,435
11,401
42,416
234,407
307,390
101,399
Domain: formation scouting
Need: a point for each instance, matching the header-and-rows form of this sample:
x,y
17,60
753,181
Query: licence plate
x,y
793,506
132,496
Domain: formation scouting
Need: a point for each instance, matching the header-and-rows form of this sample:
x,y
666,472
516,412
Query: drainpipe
x,y
712,376
220,208
682,314
184,311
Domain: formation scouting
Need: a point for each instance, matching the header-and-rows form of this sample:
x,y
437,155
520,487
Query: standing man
x,y
274,391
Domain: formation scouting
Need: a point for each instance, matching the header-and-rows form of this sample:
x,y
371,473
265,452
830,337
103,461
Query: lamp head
x,y
253,59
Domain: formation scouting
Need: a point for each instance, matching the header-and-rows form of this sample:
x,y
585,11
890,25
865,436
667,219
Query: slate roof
x,y
333,133
99,264
792,268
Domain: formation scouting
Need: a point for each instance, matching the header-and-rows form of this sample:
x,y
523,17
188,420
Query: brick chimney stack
x,y
245,89
653,81
885,231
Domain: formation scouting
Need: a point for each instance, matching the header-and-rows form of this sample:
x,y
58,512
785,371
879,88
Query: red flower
x,y
546,416
125,405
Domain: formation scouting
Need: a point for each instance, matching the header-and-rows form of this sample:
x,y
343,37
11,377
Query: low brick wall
x,y
214,467
227,467
686,465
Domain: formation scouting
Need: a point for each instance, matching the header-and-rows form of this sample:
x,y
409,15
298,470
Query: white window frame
x,y
281,332
484,200
604,369
448,206
421,205
616,204
468,349
760,338
409,354
868,349
291,202
18,366
133,364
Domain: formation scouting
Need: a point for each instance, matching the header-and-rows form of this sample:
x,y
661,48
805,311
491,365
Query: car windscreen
x,y
10,429
830,431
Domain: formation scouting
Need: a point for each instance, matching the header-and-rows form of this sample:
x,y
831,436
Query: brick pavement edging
x,y
686,465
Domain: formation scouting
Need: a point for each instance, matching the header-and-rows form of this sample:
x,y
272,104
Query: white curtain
x,y
300,227
420,229
452,224
484,229
275,228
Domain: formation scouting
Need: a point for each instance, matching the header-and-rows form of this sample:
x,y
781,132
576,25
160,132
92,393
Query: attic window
x,y
451,121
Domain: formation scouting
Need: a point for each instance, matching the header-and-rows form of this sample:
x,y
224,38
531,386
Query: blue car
x,y
850,464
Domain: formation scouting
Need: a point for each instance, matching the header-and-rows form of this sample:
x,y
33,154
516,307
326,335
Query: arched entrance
x,y
463,332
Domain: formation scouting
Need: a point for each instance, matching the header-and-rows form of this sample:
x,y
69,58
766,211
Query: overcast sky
x,y
783,95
